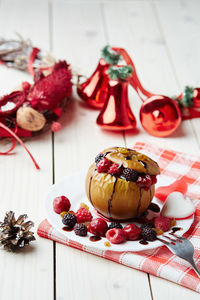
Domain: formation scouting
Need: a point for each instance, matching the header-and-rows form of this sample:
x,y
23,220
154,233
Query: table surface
x,y
163,37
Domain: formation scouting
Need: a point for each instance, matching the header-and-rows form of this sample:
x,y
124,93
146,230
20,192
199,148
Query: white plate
x,y
73,187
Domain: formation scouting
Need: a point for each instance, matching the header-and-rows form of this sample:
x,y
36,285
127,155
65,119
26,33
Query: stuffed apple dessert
x,y
120,184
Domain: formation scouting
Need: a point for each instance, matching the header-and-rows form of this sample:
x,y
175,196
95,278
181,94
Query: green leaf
x,y
188,96
110,56
116,72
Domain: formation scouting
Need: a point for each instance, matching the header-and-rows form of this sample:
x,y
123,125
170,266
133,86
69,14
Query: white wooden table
x,y
163,37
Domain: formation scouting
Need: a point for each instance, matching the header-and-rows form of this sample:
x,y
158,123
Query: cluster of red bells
x,y
159,115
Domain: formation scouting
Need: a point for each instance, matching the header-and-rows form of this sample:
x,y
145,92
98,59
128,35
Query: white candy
x,y
177,206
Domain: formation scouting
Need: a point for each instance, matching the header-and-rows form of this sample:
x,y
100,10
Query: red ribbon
x,y
11,148
14,144
31,60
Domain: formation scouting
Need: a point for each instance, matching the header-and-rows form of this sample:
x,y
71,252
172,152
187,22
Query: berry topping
x,y
84,205
80,229
98,227
115,169
83,215
60,204
162,223
153,179
115,236
103,165
69,220
144,181
115,225
148,234
63,213
132,232
129,174
99,157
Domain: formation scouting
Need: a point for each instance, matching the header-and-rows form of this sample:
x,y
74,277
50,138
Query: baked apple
x,y
120,184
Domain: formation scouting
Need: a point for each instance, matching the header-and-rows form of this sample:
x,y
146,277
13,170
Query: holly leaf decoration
x,y
116,72
188,96
110,56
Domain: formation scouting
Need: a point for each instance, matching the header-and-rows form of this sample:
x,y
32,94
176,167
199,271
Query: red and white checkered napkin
x,y
159,262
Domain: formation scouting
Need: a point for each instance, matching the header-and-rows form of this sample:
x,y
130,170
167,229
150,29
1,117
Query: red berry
x,y
114,169
83,215
144,181
98,227
153,179
104,165
132,232
115,236
162,223
60,204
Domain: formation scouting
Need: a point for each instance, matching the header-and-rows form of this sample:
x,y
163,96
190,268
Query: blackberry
x,y
129,174
148,234
69,220
146,225
115,225
80,229
99,157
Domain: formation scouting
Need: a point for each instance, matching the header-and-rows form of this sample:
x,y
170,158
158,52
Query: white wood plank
x,y
75,148
28,274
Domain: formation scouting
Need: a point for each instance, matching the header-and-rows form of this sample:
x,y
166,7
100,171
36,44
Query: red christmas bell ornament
x,y
116,113
94,90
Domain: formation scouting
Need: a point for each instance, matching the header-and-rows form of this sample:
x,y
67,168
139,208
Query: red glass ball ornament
x,y
160,116
116,113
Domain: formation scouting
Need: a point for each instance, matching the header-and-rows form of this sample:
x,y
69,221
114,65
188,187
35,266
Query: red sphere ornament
x,y
160,116
94,90
116,113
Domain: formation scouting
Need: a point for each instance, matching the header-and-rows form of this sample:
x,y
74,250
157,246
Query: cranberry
x,y
115,236
60,204
98,227
132,232
153,179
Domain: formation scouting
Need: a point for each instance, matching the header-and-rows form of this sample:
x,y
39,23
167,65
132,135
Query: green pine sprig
x,y
116,72
110,56
188,96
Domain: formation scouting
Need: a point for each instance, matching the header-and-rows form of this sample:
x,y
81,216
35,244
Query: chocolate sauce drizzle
x,y
139,202
90,198
111,197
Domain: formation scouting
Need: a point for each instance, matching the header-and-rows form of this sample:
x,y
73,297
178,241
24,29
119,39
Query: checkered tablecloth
x,y
159,262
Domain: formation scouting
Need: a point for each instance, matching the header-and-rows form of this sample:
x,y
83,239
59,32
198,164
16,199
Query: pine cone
x,y
15,234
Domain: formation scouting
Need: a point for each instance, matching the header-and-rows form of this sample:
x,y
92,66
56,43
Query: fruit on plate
x,y
120,184
98,227
115,236
60,204
132,232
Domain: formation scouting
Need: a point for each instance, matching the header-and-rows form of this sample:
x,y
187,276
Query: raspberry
x,y
115,236
98,227
80,229
129,174
132,232
69,220
148,234
144,181
114,169
83,215
162,223
115,225
153,179
60,204
104,165
99,157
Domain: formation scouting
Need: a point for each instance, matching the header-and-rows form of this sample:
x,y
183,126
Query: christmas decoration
x,y
94,90
159,115
32,109
15,234
116,113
